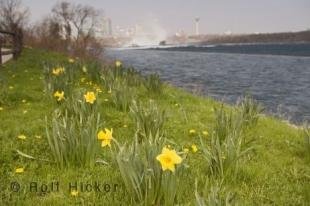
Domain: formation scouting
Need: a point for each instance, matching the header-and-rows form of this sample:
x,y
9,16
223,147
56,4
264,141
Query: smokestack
x,y
197,19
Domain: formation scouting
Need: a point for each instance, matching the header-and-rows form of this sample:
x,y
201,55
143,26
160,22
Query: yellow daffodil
x,y
176,105
19,170
25,112
70,60
90,97
105,137
168,159
59,95
83,79
21,137
57,71
125,126
118,63
192,131
1,108
194,148
84,69
74,193
205,133
23,101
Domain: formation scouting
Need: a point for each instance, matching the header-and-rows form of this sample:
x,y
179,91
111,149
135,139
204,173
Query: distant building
x,y
109,27
228,32
197,19
104,28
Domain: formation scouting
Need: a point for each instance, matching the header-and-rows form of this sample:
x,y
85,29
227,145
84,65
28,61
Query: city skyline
x,y
239,16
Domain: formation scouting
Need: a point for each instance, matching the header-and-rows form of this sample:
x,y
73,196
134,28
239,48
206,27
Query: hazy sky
x,y
217,16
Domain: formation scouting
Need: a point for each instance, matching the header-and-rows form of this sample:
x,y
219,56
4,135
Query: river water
x,y
281,83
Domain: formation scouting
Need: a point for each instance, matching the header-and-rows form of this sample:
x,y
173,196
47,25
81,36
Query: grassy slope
x,y
275,175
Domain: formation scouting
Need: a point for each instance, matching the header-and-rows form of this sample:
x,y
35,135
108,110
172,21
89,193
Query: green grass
x,y
276,172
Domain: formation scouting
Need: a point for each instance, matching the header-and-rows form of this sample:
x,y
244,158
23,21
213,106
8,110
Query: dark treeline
x,y
302,36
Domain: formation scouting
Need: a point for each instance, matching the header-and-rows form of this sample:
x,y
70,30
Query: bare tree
x,y
62,13
85,21
46,34
70,28
13,15
79,24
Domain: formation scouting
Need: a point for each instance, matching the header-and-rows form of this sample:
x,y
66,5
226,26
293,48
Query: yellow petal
x,y
175,157
159,157
205,133
186,150
194,148
165,150
106,142
21,136
171,167
108,133
19,170
74,193
118,63
101,135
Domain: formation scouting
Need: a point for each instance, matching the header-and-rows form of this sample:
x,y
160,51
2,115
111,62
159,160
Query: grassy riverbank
x,y
274,169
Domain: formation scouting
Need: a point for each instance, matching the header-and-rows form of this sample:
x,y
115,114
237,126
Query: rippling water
x,y
280,83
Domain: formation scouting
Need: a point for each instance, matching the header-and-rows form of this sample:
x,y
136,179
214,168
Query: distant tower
x,y
109,27
197,19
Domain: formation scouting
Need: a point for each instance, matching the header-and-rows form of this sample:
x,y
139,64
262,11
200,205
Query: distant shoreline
x,y
283,48
287,37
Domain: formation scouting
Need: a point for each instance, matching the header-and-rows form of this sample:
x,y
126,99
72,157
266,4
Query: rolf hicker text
x,y
96,186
